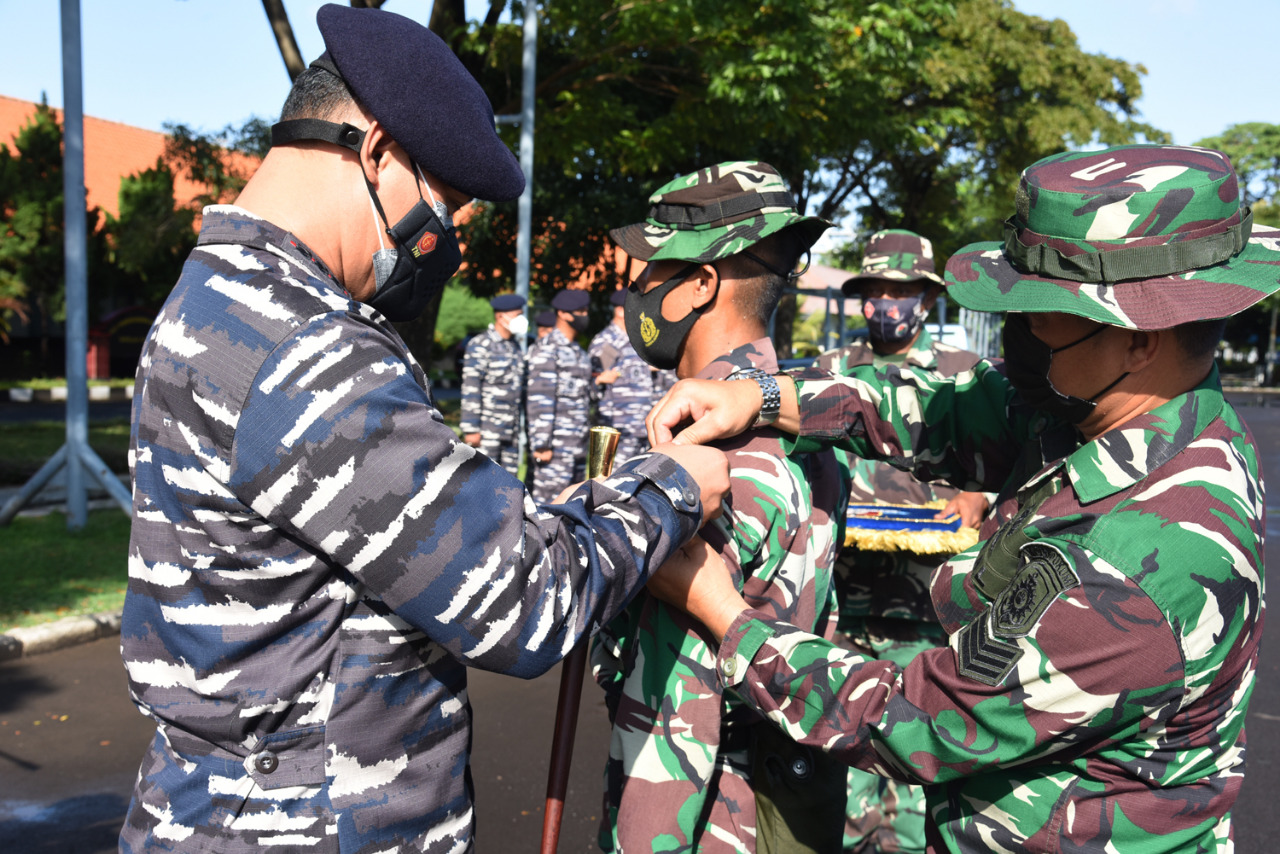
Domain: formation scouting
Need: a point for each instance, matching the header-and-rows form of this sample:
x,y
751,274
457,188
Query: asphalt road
x,y
70,742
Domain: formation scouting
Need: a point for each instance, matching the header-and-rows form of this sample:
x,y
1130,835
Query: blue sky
x,y
209,63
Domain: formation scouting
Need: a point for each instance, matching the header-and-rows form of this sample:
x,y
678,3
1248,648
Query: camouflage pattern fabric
x,y
1079,212
1104,635
716,212
492,396
896,255
557,408
624,403
678,776
886,610
315,558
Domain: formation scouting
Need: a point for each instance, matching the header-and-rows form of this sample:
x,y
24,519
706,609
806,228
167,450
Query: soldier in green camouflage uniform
x,y
1105,632
885,608
679,775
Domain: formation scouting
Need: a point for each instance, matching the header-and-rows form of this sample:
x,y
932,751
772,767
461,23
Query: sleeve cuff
x,y
669,478
740,644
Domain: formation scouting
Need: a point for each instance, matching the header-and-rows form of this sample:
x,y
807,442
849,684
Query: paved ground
x,y
70,742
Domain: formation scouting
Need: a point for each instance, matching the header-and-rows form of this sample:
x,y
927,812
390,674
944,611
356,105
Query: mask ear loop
x,y
374,211
442,211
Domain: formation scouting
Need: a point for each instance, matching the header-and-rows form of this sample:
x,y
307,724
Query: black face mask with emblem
x,y
425,252
656,339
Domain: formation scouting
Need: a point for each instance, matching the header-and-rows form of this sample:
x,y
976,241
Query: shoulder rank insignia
x,y
984,647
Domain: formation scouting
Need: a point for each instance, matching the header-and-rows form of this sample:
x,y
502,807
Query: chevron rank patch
x,y
985,654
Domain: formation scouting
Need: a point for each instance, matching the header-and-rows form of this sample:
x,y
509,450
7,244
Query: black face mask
x,y
1027,361
579,323
425,256
656,339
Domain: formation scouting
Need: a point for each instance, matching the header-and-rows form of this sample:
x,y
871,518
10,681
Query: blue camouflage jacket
x,y
315,558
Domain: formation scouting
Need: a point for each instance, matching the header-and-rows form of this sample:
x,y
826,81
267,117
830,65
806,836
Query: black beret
x,y
618,298
545,318
507,302
421,93
570,299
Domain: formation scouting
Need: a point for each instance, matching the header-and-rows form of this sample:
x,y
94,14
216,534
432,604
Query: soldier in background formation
x,y
315,557
546,321
885,608
687,762
493,384
1105,632
558,400
625,383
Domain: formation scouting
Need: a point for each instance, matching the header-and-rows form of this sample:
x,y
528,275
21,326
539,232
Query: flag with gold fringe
x,y
906,528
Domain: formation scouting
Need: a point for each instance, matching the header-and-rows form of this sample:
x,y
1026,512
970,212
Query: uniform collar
x,y
758,355
1125,455
228,224
920,354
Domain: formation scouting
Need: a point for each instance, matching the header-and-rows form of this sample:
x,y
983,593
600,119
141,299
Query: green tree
x,y
1254,149
151,237
32,232
990,91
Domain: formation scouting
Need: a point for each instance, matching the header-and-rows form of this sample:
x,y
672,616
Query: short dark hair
x,y
317,94
760,288
1199,339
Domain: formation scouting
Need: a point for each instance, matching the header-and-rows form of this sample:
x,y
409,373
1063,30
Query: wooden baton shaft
x,y
603,445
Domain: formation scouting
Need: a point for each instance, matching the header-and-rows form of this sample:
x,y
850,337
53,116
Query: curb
x,y
58,394
47,637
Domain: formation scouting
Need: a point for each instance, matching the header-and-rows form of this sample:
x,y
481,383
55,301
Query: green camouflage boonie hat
x,y
714,213
1140,236
894,255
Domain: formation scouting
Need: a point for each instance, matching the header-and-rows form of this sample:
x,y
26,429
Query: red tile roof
x,y
111,151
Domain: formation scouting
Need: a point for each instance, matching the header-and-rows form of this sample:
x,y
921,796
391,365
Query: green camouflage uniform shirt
x,y
678,777
1104,632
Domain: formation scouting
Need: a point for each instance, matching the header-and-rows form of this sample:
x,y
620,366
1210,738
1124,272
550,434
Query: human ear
x,y
1143,347
376,154
706,285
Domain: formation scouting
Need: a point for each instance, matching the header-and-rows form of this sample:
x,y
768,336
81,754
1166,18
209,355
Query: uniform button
x,y
266,762
730,667
800,767
690,497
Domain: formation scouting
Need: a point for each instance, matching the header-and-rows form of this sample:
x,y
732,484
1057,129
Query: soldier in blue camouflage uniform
x,y
558,399
1105,631
493,384
686,762
885,608
624,382
315,558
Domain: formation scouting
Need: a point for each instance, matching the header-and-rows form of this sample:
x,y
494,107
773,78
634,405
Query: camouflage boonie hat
x,y
1140,236
895,255
714,213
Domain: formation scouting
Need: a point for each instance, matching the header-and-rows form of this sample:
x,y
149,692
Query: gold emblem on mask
x,y
648,329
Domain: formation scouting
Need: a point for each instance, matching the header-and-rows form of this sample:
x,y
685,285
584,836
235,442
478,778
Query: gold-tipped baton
x,y
601,448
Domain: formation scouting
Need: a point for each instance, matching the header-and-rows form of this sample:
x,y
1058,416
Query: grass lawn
x,y
25,446
48,572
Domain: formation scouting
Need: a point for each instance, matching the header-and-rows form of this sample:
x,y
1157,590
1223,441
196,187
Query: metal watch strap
x,y
771,397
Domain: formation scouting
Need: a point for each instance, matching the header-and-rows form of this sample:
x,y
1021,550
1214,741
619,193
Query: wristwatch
x,y
771,397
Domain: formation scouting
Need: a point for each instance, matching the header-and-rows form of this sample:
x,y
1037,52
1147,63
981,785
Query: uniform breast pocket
x,y
503,372
570,384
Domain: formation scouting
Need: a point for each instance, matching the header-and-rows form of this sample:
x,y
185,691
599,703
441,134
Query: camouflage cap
x,y
1140,236
896,255
716,212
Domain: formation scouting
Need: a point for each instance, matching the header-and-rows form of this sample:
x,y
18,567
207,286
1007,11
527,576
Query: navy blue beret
x,y
507,302
411,82
570,299
618,298
545,318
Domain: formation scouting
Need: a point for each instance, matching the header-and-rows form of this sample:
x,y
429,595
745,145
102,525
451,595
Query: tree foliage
x,y
917,115
32,232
